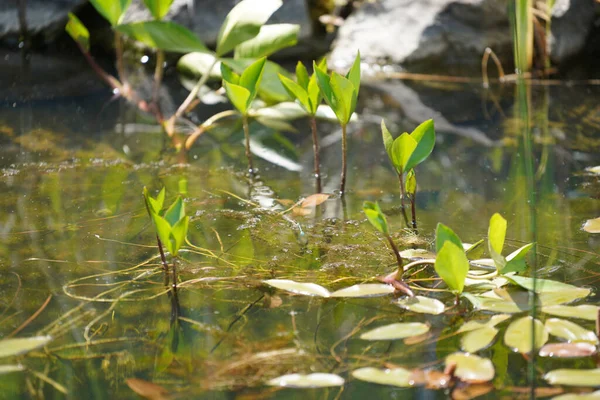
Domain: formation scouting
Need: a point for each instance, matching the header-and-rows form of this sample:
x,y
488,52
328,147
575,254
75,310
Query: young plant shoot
x,y
306,92
241,91
377,219
341,94
514,262
451,262
406,152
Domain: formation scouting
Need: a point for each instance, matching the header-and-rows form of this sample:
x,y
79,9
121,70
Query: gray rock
x,y
451,31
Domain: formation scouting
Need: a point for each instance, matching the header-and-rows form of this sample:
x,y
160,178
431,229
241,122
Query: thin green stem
x,y
247,136
344,164
413,209
194,92
158,75
315,138
397,254
401,180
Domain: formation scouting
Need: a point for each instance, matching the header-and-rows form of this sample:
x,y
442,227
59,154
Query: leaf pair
x,y
306,90
340,93
451,263
376,217
172,225
409,150
514,262
242,89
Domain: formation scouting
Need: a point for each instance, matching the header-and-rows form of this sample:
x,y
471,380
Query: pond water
x,y
79,262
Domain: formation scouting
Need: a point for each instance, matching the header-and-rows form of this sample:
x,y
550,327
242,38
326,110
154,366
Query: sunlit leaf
x,y
444,234
315,380
147,389
424,136
568,350
164,35
302,76
388,140
244,22
296,91
403,147
178,233
112,10
239,96
78,32
252,75
592,225
375,216
478,339
496,305
569,331
519,334
394,377
6,369
489,322
314,200
163,230
548,285
308,289
364,290
343,91
515,261
270,39
411,183
158,8
452,265
15,347
584,311
155,204
353,74
399,330
496,236
574,377
471,368
421,304
561,297
175,212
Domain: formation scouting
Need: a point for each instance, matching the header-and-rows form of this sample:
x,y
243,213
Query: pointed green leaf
x,y
324,84
343,91
399,330
388,140
375,216
403,147
163,230
515,261
15,347
296,92
269,40
314,94
519,335
112,10
424,135
490,322
158,8
444,234
175,212
163,35
496,235
452,265
238,96
178,233
302,75
410,185
251,77
244,22
155,205
78,32
229,75
353,74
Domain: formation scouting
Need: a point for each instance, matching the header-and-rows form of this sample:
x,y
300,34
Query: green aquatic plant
x,y
306,92
341,94
241,91
406,152
451,262
514,262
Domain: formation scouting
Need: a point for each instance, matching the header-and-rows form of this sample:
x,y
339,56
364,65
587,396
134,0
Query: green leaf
x,y
424,135
519,335
364,290
111,10
78,32
175,212
394,377
549,286
421,305
244,22
471,368
163,35
269,40
353,74
569,331
410,185
15,347
155,205
452,265
444,234
403,147
515,261
375,216
158,8
343,91
251,77
399,330
238,96
315,380
307,289
314,94
496,236
178,234
574,377
302,75
479,324
324,84
388,140
229,75
584,311
163,230
296,92
478,339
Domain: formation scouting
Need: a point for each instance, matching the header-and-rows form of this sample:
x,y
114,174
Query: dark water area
x,y
75,238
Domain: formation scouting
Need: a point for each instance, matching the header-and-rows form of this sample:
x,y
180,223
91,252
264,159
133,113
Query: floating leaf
x,y
569,331
584,311
388,140
244,22
316,380
15,347
364,290
518,335
112,10
574,377
575,396
78,32
164,35
421,304
314,200
496,305
478,339
568,350
547,285
452,265
399,330
307,289
375,216
471,368
592,225
490,322
562,297
6,369
271,38
147,389
394,377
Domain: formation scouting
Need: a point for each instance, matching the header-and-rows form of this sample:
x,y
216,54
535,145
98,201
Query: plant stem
x,y
397,254
119,56
343,177
158,75
402,199
313,126
174,286
194,92
247,136
413,209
